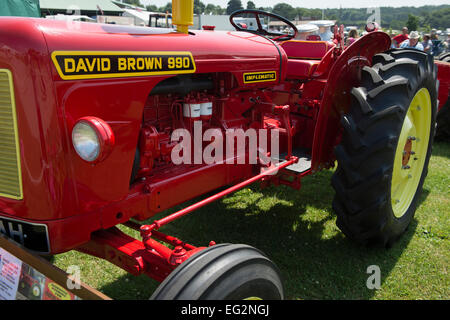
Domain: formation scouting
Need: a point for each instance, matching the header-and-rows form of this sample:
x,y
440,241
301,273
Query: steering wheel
x,y
275,36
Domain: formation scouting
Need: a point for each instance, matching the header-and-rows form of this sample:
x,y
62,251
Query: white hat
x,y
414,35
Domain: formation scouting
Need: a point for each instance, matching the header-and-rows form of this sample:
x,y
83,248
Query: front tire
x,y
223,272
386,145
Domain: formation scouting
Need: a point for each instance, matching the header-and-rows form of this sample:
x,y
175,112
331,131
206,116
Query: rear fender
x,y
344,74
444,82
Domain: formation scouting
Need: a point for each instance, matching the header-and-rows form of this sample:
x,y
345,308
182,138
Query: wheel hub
x,y
407,152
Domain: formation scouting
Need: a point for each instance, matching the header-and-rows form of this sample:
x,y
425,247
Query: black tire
x,y
443,123
371,131
223,272
444,57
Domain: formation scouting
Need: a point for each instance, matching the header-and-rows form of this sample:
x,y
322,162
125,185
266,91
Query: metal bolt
x,y
406,167
409,176
412,138
418,108
179,250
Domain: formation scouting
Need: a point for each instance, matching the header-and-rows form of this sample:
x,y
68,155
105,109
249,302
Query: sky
x,y
322,4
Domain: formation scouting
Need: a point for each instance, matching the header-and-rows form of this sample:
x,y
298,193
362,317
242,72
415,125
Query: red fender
x,y
344,74
444,82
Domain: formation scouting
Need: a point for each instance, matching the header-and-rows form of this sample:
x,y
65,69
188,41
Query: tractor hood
x,y
48,100
211,51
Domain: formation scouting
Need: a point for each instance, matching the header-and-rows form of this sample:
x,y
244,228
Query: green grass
x,y
297,230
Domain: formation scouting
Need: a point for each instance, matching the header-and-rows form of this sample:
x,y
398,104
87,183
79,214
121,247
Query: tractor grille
x,y
10,175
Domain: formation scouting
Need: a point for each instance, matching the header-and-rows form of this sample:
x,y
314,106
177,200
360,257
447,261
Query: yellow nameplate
x,y
253,77
75,65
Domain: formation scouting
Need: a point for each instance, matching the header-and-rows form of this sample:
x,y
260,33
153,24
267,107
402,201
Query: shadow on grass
x,y
296,229
129,287
441,149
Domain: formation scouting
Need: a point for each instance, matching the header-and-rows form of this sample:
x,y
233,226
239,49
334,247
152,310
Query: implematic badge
x,y
253,77
73,65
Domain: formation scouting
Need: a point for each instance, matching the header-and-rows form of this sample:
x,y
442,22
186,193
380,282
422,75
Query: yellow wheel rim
x,y
411,152
253,298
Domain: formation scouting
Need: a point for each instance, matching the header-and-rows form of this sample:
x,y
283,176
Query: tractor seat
x,y
304,57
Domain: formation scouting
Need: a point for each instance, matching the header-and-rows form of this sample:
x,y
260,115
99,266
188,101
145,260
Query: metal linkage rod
x,y
159,223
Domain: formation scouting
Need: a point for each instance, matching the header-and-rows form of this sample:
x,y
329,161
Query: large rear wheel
x,y
386,145
444,57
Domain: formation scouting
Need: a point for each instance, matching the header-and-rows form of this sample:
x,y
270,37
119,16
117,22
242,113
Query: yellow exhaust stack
x,y
183,14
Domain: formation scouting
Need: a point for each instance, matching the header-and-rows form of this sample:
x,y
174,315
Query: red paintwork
x,y
301,69
57,183
255,53
81,201
444,82
133,255
298,49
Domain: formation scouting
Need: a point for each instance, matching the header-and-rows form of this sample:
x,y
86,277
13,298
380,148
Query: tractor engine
x,y
208,102
177,103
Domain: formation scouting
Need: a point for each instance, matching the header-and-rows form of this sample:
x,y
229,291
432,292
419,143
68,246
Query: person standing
x,y
437,46
412,42
426,43
352,36
400,38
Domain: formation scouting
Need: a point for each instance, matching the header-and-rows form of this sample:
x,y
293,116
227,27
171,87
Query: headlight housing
x,y
92,139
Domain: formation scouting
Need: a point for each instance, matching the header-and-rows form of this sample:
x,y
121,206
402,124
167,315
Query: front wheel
x,y
386,145
223,272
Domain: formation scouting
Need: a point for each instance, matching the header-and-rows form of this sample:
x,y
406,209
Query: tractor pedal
x,y
303,164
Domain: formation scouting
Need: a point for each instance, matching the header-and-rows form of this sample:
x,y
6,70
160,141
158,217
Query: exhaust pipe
x,y
183,14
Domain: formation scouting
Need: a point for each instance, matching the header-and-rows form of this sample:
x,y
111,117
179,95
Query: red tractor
x,y
443,117
96,123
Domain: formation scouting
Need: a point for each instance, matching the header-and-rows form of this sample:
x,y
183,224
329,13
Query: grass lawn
x,y
297,230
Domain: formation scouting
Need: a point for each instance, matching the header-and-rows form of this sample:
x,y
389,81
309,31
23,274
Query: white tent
x,y
140,17
72,17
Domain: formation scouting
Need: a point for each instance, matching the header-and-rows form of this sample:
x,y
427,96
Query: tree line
x,y
416,18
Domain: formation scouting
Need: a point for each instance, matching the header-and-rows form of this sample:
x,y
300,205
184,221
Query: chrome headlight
x,y
92,139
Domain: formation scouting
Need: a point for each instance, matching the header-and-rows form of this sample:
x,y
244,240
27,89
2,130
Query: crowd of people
x,y
429,43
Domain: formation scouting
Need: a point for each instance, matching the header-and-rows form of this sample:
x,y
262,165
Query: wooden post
x,y
55,274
